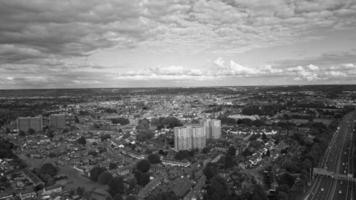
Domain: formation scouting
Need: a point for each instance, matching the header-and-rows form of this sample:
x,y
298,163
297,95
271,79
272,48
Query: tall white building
x,y
199,137
57,121
212,128
189,137
26,123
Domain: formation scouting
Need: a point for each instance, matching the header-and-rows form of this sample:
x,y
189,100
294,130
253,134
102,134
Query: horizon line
x,y
176,87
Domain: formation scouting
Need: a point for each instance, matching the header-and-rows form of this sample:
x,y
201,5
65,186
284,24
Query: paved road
x,y
337,159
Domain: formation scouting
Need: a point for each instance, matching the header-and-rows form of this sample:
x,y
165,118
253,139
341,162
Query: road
x,y
337,159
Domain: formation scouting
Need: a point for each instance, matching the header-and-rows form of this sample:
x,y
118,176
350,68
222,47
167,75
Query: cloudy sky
x,y
150,43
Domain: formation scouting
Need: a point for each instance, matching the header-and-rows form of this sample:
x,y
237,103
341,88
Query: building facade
x,y
26,123
212,128
189,137
57,121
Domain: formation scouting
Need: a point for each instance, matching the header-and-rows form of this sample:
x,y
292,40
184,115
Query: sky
x,y
176,43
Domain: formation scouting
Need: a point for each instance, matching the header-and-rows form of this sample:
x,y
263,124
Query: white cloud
x,y
304,73
313,67
271,70
336,74
233,69
32,34
164,73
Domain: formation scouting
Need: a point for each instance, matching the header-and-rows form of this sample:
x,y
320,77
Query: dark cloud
x,y
69,28
43,41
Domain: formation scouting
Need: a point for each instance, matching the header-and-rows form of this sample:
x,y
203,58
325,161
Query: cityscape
x,y
258,142
178,100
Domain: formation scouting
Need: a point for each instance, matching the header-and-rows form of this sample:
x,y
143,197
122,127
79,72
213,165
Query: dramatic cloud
x,y
59,43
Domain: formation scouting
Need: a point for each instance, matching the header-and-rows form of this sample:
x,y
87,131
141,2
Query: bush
x,y
95,172
143,166
112,166
154,158
142,178
116,186
105,178
82,140
49,169
120,120
210,171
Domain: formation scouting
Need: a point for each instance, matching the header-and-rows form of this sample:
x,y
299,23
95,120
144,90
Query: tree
x,y
205,150
76,119
112,166
116,186
80,191
142,178
228,161
50,134
258,193
49,169
210,171
105,137
131,197
144,134
105,178
22,133
31,131
120,120
231,151
143,124
171,122
143,166
82,140
118,197
6,149
95,172
93,153
217,189
154,158
169,195
286,179
183,154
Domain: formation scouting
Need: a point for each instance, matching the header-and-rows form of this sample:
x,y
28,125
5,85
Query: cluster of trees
x,y
154,158
49,169
143,130
6,148
217,187
105,137
141,172
30,131
268,110
184,154
166,122
110,110
294,162
102,176
247,122
169,195
122,121
82,140
47,173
